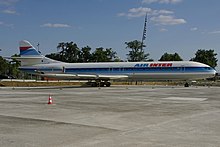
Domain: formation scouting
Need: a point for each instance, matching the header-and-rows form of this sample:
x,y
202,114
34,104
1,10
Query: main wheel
x,y
102,84
94,84
108,84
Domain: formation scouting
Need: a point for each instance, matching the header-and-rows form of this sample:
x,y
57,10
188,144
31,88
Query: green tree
x,y
69,52
61,46
4,66
103,55
170,57
9,68
136,53
206,56
13,67
72,52
110,54
98,55
85,55
55,56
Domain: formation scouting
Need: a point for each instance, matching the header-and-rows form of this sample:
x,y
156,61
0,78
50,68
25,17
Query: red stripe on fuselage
x,y
25,48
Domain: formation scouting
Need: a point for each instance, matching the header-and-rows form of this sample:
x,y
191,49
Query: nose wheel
x,y
186,84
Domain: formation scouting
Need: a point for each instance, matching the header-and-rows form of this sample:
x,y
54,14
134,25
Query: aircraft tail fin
x,y
30,56
26,49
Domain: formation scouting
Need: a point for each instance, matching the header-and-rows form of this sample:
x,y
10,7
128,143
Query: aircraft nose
x,y
214,72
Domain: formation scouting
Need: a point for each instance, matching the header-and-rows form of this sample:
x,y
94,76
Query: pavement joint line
x,y
169,121
56,122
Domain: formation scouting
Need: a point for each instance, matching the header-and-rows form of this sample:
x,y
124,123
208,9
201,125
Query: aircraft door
x,y
63,69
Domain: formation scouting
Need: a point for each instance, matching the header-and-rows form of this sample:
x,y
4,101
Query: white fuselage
x,y
175,70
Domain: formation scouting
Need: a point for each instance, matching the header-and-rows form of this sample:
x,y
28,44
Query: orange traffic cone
x,y
50,100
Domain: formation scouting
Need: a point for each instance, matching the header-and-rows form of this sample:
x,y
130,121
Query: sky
x,y
173,26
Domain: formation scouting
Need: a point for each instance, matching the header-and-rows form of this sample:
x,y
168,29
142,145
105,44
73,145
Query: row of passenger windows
x,y
139,69
150,69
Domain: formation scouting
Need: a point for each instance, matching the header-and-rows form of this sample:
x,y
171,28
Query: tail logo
x,y
27,49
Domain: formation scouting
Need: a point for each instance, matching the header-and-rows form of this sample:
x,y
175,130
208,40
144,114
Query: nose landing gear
x,y
186,84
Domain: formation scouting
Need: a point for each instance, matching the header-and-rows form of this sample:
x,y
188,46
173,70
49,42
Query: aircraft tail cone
x,y
50,100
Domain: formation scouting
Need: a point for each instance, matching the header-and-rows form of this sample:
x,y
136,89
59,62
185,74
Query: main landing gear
x,y
99,84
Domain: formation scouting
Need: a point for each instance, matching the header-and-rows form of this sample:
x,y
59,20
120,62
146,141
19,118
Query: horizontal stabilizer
x,y
25,60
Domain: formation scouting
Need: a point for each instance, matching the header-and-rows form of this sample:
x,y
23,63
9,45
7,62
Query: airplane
x,y
100,74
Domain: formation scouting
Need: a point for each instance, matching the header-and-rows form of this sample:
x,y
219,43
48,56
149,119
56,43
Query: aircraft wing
x,y
112,77
58,75
82,76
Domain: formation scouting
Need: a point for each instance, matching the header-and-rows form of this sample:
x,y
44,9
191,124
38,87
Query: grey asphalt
x,y
118,116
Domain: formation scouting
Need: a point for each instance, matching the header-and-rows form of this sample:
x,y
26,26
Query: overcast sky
x,y
181,26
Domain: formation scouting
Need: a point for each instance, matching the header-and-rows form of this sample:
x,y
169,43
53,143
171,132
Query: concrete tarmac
x,y
118,116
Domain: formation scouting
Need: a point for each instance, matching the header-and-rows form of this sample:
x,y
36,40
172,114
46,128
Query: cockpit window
x,y
208,68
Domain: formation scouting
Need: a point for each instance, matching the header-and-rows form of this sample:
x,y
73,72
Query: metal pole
x,y
144,33
38,47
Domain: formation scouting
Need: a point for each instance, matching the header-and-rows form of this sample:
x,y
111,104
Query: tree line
x,y
71,53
